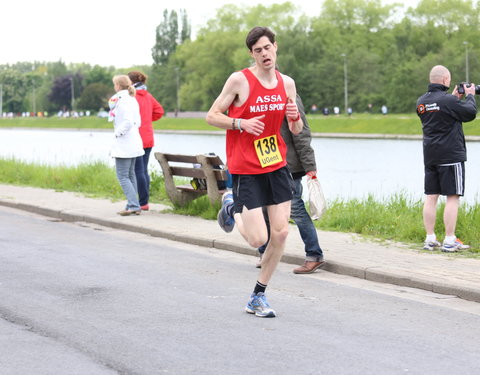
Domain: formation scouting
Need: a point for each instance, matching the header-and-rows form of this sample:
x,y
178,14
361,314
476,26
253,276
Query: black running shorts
x,y
445,179
259,190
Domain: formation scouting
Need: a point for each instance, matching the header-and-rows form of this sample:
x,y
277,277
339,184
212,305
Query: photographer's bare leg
x,y
450,214
430,212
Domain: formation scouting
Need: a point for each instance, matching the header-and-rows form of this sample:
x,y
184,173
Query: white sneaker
x,y
454,247
431,245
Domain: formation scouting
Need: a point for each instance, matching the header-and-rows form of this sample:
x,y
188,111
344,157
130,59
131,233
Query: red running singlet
x,y
249,154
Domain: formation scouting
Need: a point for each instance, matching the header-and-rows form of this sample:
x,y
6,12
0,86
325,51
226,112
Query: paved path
x,y
345,253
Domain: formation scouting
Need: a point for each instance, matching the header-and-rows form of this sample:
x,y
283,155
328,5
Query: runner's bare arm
x,y
295,123
232,91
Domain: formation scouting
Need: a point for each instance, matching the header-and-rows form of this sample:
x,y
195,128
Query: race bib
x,y
267,150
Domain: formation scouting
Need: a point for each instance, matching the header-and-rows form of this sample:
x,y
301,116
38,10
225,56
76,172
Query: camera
x,y
461,89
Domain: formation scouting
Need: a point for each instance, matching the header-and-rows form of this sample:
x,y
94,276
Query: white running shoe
x,y
454,247
431,245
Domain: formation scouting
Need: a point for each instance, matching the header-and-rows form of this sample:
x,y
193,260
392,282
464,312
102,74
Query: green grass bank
x,y
396,219
407,124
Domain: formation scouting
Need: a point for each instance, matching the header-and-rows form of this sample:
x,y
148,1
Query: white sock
x,y
450,239
431,238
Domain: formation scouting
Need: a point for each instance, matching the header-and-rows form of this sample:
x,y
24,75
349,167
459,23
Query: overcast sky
x,y
119,33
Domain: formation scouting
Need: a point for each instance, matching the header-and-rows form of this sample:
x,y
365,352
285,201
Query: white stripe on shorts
x,y
458,176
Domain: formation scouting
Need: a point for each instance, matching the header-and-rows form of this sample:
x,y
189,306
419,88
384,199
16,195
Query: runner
x,y
257,99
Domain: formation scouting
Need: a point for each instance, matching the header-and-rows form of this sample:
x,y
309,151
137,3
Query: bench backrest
x,y
209,161
207,168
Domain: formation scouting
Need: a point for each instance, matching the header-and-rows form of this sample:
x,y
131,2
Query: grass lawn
x,y
358,123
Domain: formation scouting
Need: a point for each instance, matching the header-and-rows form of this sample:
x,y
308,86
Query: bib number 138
x,y
267,151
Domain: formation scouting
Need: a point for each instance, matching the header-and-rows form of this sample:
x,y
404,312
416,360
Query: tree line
x,y
360,52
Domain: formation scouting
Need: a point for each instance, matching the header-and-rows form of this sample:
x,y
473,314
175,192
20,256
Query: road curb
x,y
367,273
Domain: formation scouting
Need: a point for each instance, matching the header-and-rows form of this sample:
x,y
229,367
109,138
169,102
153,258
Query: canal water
x,y
347,168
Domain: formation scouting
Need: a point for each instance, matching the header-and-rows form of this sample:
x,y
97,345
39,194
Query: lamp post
x,y
177,81
34,98
345,80
467,78
71,88
34,102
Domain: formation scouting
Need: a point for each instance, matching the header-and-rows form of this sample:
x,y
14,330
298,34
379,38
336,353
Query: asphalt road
x,y
84,299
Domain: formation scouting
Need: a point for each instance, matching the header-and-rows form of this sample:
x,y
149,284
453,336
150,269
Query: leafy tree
x,y
388,56
95,96
353,31
164,85
223,40
34,81
449,15
99,74
186,29
61,91
166,74
56,69
169,36
202,77
14,89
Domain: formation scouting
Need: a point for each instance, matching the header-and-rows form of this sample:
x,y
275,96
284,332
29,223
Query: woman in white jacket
x,y
127,144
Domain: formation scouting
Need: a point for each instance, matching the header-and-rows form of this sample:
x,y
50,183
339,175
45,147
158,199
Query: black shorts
x,y
445,179
259,190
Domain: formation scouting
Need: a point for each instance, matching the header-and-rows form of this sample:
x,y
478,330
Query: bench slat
x,y
213,160
220,174
199,191
189,188
187,172
181,158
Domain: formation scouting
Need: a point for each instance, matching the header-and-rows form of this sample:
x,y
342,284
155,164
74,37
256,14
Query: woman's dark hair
x,y
136,76
256,33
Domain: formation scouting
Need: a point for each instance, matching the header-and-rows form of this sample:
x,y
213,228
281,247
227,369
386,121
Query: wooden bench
x,y
183,166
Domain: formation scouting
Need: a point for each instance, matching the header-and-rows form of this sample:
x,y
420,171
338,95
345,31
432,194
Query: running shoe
x,y
454,247
226,221
259,306
431,245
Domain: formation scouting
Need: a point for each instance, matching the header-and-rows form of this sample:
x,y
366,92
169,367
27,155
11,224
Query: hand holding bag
x,y
316,199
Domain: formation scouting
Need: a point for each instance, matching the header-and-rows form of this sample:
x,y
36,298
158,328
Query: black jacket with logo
x,y
442,115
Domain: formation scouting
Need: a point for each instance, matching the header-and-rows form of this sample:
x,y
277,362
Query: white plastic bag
x,y
316,199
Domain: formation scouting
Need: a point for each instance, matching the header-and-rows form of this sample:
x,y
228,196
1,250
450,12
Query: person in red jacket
x,y
150,110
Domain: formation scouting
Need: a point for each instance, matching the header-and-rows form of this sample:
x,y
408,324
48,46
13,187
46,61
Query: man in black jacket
x,y
444,153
